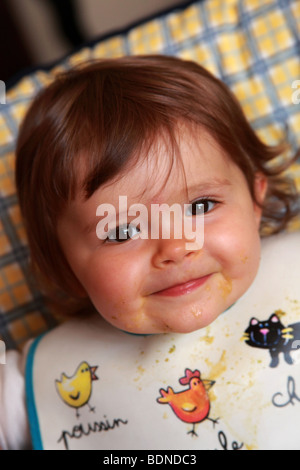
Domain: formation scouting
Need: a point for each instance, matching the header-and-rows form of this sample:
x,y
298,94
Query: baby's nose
x,y
171,251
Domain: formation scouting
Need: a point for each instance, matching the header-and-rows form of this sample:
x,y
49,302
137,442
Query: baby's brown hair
x,y
110,112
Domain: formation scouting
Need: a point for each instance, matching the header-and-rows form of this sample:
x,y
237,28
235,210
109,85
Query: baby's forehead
x,y
147,183
163,159
170,171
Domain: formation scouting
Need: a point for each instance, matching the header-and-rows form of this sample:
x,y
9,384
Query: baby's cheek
x,y
240,246
111,289
128,317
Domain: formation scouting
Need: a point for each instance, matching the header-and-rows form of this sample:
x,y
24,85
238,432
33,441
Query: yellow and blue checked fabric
x,y
252,45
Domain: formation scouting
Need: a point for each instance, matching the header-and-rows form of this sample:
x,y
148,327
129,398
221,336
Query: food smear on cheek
x,y
138,318
244,258
225,286
196,312
119,304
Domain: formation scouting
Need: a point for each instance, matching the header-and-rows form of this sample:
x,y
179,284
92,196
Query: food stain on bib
x,y
207,338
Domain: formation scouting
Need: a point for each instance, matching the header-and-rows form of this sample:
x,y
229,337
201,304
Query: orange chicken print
x,y
191,405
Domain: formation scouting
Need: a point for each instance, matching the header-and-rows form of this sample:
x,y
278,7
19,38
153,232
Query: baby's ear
x,y
260,191
260,187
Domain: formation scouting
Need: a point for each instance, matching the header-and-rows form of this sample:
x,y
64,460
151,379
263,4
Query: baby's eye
x,y
122,233
201,206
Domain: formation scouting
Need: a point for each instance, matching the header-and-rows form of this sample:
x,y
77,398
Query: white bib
x,y
91,386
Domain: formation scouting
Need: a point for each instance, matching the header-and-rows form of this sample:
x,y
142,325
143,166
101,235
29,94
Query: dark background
x,y
67,19
14,55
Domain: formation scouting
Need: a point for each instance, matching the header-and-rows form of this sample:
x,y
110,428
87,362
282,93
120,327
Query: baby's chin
x,y
192,315
182,323
196,321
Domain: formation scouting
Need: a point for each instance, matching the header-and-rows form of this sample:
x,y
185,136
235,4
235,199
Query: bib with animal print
x,y
233,385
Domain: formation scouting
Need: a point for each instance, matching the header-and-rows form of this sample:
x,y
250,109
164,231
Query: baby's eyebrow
x,y
204,186
197,189
200,187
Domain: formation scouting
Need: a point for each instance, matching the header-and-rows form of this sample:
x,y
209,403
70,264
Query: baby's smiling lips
x,y
184,288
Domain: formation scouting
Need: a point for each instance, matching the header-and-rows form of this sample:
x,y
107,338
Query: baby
x,y
144,193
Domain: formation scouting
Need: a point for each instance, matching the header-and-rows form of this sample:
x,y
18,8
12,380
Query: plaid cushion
x,y
251,45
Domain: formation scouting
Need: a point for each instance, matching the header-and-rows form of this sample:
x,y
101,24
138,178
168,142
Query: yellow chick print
x,y
76,390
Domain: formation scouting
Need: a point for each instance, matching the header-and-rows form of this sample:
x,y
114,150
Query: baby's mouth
x,y
184,288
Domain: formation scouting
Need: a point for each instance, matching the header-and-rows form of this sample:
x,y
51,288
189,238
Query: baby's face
x,y
160,285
